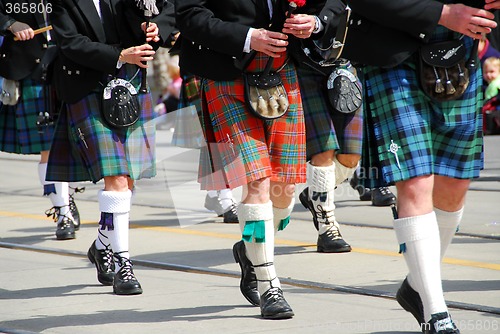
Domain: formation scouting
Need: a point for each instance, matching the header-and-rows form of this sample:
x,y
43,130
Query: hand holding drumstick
x,y
23,32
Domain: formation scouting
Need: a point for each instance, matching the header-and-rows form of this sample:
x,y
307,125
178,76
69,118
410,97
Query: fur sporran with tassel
x,y
265,94
444,74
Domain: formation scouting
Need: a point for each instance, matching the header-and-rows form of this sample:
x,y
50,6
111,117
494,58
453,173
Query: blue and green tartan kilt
x,y
326,128
19,133
409,135
86,149
241,147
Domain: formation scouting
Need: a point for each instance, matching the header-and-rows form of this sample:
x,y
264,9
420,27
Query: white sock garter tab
x,y
252,219
282,216
110,203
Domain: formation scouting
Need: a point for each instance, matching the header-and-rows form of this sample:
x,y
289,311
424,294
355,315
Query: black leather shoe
x,y
332,242
410,300
74,212
274,306
440,323
231,215
65,229
365,194
103,260
306,203
382,197
248,282
124,282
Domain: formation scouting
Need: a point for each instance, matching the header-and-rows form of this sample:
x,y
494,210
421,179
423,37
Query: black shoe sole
x,y
335,250
136,291
68,236
238,261
277,316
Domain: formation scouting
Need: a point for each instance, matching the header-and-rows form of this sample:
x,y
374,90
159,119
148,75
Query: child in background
x,y
491,71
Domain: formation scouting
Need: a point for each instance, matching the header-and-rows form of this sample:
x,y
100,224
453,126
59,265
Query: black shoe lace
x,y
125,271
54,212
65,223
233,209
333,232
72,205
275,294
384,191
107,257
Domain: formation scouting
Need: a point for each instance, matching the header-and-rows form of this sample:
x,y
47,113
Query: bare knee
x,y
116,183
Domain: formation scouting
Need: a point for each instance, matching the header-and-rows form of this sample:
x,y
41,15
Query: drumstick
x,y
38,31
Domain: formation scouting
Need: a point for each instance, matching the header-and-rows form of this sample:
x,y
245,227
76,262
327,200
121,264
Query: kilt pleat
x,y
86,149
411,135
327,129
241,147
19,133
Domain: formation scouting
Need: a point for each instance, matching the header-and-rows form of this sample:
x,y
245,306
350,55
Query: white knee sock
x,y
256,223
58,192
281,216
419,240
118,205
342,172
448,223
321,182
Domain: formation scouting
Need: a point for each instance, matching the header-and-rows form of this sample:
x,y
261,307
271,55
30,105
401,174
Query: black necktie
x,y
108,22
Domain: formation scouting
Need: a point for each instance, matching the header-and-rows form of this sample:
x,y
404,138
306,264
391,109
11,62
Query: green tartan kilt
x,y
86,149
19,133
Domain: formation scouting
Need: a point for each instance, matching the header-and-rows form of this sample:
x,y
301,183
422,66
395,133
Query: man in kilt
x,y
429,149
333,137
29,106
100,41
267,157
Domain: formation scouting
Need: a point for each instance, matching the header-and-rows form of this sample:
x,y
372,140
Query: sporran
x,y
120,104
443,72
266,95
344,88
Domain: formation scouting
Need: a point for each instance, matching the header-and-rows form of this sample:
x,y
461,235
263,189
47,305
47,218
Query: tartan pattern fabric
x,y
327,129
85,149
243,148
441,138
19,133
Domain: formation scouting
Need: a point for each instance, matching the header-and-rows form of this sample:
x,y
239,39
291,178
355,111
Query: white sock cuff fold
x,y
342,172
416,228
114,201
283,213
249,212
321,178
447,219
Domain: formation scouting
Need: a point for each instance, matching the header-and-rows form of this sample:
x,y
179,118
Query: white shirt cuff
x,y
319,25
246,48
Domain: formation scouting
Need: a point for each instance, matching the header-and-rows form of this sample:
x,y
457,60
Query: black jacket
x,y
385,33
213,33
86,52
19,59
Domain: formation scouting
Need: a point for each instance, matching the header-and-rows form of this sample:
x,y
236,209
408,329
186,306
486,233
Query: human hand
x,y
269,42
21,31
472,22
492,4
152,32
300,25
138,55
